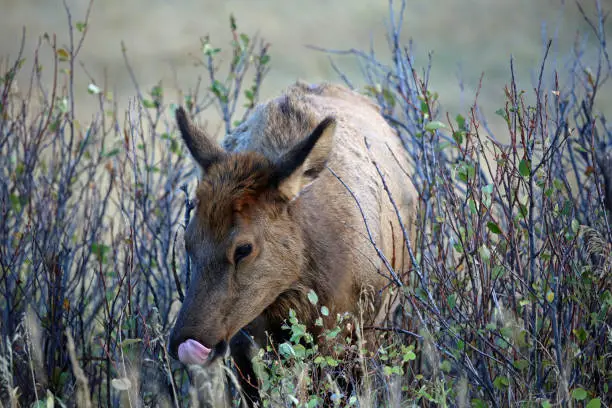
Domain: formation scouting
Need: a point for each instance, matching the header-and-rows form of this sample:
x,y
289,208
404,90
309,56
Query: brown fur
x,y
305,229
234,183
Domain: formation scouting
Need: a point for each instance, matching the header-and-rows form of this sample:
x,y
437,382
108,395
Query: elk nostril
x,y
174,343
173,350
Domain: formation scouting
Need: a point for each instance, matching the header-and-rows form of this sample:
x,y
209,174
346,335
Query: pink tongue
x,y
192,352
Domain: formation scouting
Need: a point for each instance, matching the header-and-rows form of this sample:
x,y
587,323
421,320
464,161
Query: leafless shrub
x,y
508,292
91,216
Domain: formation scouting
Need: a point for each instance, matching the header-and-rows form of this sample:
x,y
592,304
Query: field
x,y
511,297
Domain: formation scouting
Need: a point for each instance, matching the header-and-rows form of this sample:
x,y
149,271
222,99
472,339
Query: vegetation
x,y
511,299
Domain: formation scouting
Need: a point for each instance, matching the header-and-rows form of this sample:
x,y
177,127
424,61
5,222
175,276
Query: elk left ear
x,y
203,148
302,164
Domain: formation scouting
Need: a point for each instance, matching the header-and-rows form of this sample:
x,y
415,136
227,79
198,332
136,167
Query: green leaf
x,y
424,107
313,402
465,171
493,227
80,26
478,403
575,226
286,349
579,394
245,39
93,89
174,146
100,250
18,202
581,334
594,403
40,404
567,207
148,104
112,153
460,122
332,334
521,364
324,311
485,253
209,50
312,297
63,105
434,125
319,360
472,205
389,97
501,113
157,92
501,382
581,149
220,91
62,54
458,136
409,356
331,361
452,300
525,168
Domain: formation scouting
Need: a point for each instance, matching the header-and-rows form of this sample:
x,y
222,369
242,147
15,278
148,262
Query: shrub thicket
x,y
511,297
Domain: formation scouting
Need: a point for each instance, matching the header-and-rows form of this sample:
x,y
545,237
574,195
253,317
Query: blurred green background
x,y
467,37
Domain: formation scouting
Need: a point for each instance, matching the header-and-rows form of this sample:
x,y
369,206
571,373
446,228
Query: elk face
x,y
245,248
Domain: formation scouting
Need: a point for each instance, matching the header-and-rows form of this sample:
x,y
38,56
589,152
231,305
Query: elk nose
x,y
176,338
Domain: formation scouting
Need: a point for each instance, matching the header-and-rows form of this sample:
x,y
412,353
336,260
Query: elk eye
x,y
242,252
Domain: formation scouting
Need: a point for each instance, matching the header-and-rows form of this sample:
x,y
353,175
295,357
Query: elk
x,y
306,194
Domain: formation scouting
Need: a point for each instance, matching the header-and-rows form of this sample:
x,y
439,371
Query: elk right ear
x,y
304,162
203,149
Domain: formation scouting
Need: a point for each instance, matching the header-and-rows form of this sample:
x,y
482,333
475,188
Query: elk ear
x,y
298,167
203,149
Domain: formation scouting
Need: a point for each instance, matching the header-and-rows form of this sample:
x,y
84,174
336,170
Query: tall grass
x,y
510,296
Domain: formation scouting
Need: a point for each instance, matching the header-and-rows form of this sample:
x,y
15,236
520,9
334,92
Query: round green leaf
x,y
579,394
434,125
312,297
594,403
